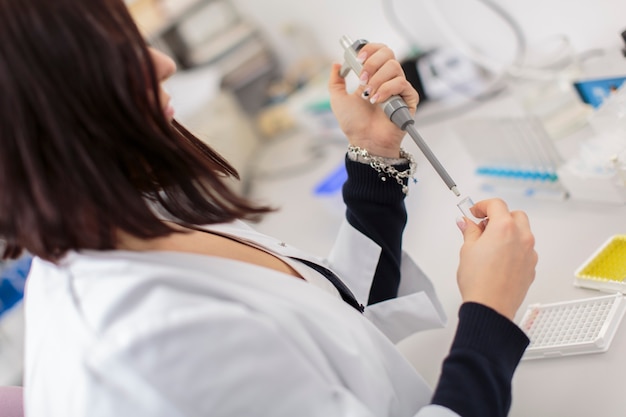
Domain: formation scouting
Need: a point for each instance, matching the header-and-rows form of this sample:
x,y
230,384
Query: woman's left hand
x,y
361,118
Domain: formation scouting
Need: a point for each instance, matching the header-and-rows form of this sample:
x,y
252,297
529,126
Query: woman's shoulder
x,y
114,290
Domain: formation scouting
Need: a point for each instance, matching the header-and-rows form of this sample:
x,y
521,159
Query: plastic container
x,y
572,327
605,270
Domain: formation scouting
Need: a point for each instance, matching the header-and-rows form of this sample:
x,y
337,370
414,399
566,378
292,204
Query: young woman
x,y
150,295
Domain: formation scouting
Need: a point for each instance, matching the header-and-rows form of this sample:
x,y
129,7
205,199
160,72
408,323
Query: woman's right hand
x,y
364,123
498,259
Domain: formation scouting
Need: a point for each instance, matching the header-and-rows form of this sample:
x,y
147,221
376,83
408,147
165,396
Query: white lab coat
x,y
170,334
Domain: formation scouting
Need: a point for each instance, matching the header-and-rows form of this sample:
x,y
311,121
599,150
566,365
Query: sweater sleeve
x,y
375,207
476,376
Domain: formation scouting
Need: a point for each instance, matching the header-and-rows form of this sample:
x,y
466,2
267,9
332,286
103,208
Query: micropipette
x,y
396,109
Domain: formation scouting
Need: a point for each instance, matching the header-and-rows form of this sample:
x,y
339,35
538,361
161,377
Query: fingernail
x,y
366,93
374,99
363,78
361,57
460,222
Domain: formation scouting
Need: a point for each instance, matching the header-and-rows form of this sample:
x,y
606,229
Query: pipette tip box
x,y
572,327
605,270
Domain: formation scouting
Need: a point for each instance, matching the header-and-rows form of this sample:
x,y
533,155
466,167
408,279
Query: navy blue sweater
x,y
476,376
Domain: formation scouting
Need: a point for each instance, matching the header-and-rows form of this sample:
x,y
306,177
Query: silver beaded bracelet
x,y
385,165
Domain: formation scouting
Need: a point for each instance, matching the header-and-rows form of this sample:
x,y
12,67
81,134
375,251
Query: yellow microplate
x,y
608,263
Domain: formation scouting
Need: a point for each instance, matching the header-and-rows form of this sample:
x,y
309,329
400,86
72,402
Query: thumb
x,y
336,83
471,231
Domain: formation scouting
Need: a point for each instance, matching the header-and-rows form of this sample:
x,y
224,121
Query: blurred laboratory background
x,y
519,99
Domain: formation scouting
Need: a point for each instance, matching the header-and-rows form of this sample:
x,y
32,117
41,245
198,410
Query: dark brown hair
x,y
85,149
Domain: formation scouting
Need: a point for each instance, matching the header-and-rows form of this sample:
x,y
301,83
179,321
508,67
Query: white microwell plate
x,y
572,327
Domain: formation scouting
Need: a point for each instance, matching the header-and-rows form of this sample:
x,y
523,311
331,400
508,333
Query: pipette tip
x,y
455,191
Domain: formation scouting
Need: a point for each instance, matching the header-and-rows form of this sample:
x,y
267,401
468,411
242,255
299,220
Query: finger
x,y
491,208
397,86
375,60
375,55
378,51
389,70
336,83
385,77
521,218
523,225
471,231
